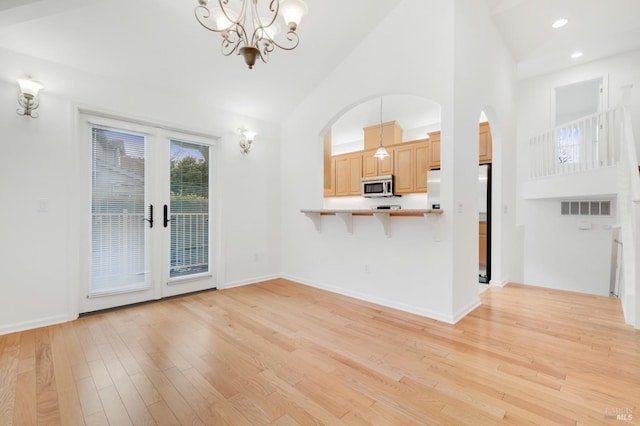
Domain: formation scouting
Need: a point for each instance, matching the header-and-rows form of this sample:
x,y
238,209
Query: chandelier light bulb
x,y
220,19
292,12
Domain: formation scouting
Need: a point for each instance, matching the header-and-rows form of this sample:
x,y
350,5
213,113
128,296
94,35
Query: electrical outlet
x,y
367,268
256,257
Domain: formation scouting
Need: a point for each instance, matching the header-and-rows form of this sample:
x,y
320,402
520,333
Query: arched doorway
x,y
352,138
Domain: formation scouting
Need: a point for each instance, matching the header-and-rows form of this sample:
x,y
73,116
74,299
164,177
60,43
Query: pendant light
x,y
381,151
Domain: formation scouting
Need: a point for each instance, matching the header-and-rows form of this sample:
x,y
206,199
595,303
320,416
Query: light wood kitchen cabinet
x,y
372,166
329,167
348,174
484,146
485,143
483,243
434,150
391,135
423,163
411,163
330,188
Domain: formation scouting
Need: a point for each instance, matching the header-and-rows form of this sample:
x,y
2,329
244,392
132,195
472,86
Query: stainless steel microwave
x,y
378,186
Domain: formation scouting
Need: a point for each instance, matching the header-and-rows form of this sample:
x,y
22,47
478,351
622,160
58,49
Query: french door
x,y
149,224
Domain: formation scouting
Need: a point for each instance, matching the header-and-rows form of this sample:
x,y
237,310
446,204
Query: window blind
x,y
117,211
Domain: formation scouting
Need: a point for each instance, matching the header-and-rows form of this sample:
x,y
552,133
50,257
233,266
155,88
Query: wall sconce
x,y
246,138
28,99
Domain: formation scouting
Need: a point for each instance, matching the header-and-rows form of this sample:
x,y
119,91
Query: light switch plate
x,y
42,205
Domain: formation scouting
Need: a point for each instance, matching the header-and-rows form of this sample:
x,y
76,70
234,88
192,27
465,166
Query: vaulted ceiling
x,y
158,43
597,28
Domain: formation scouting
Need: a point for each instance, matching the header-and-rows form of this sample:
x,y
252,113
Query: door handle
x,y
166,216
150,220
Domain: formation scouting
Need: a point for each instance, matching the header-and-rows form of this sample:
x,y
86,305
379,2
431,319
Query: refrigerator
x,y
484,214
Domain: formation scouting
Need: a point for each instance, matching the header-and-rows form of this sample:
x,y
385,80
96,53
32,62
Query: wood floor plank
x,y
163,415
113,407
206,412
176,402
131,399
89,399
25,412
282,353
78,363
48,408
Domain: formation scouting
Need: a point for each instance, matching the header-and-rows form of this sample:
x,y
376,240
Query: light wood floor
x,y
282,353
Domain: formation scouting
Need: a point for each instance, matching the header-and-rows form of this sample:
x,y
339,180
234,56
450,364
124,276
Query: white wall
x,y
560,255
550,242
35,279
38,251
485,81
414,269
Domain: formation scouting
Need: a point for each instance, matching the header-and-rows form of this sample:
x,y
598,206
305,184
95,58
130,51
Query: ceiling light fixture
x,y
381,152
560,23
252,38
576,55
28,99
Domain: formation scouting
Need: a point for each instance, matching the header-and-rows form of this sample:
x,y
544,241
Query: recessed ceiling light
x,y
576,55
560,23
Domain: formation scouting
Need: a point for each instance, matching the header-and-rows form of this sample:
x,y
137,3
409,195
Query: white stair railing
x,y
589,143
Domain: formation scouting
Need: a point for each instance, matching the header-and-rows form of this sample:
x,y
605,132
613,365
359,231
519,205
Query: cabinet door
x,y
369,164
485,143
404,170
423,162
330,190
372,166
355,174
385,166
434,142
482,240
343,184
328,163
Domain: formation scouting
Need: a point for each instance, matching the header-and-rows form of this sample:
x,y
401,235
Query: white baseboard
x,y
250,281
36,323
428,313
439,316
498,283
465,310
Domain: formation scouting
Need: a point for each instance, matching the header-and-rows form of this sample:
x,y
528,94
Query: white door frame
x,y
157,193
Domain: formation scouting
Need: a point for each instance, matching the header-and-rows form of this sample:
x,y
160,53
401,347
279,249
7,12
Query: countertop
x,y
370,212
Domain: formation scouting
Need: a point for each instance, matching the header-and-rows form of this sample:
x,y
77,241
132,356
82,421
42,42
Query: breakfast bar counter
x,y
383,215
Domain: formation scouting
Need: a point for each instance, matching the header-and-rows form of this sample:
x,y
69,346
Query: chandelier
x,y
252,36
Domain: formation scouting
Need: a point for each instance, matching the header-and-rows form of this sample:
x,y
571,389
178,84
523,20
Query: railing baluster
x,y
585,144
